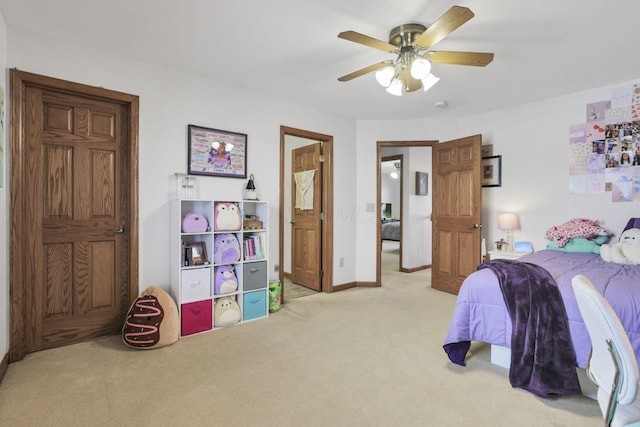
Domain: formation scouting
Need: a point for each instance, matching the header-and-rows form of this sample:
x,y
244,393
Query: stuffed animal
x,y
226,311
225,280
578,227
226,249
227,216
152,321
626,251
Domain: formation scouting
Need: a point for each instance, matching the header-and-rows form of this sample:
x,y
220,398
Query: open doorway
x,y
306,248
391,185
414,222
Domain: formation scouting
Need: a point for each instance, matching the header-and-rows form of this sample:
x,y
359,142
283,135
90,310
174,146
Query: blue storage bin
x,y
254,304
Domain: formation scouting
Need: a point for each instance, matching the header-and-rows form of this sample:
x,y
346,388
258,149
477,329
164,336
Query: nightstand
x,y
506,254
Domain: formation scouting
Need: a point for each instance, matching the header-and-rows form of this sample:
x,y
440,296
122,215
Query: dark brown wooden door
x,y
457,212
75,250
306,231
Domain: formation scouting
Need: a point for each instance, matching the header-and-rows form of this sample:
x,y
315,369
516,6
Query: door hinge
x,y
321,158
321,274
321,216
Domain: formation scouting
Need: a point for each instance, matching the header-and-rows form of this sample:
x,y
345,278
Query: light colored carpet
x,y
360,357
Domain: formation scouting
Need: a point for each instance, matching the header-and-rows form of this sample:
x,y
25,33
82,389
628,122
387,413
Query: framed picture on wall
x,y
492,171
214,152
422,183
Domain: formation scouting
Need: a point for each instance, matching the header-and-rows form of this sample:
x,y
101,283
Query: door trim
x,y
327,204
379,146
19,80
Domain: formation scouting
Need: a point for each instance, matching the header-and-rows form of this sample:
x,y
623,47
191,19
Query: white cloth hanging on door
x,y
304,189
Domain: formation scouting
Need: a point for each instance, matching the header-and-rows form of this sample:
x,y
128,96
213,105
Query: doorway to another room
x,y
306,213
405,229
391,211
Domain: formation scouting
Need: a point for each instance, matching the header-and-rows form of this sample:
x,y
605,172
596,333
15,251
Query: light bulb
x,y
420,68
384,75
395,88
429,81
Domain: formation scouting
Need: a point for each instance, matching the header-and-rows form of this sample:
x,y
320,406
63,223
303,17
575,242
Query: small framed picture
x,y
195,253
214,152
422,183
492,171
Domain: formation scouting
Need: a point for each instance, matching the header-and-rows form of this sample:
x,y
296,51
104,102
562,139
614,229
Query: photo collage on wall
x,y
604,152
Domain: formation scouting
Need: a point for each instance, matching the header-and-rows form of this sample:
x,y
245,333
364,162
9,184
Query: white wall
x,y
169,100
417,232
368,133
533,141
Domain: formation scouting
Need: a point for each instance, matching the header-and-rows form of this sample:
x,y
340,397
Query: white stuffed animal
x,y
626,251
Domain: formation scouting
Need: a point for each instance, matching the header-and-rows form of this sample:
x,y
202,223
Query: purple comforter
x,y
481,315
542,357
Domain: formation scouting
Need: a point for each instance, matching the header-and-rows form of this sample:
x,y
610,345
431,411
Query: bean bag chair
x,y
152,321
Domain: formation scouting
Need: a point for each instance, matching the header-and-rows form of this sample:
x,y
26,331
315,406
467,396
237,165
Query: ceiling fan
x,y
412,43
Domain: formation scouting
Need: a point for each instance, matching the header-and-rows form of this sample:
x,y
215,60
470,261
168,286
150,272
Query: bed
x,y
481,314
391,229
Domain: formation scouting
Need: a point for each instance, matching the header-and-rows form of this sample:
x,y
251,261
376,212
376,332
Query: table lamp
x,y
508,222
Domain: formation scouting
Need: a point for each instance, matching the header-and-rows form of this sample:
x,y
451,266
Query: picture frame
x,y
491,171
195,253
209,153
422,183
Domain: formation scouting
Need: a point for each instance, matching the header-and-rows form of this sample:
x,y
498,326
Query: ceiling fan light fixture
x,y
395,88
420,68
429,81
384,75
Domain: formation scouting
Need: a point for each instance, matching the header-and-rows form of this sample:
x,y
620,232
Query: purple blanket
x,y
543,360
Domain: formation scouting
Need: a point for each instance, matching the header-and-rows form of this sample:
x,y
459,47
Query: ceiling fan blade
x,y
476,59
410,84
445,25
364,71
352,36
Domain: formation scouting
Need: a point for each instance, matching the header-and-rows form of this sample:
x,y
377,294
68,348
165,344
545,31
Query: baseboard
x,y
367,285
4,364
338,288
414,269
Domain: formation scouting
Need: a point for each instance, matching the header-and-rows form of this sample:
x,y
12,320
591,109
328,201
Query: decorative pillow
x,y
225,280
226,249
578,227
227,216
226,311
152,321
590,245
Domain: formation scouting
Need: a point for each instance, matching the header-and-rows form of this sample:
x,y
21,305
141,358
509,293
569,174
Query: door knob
x,y
474,226
119,230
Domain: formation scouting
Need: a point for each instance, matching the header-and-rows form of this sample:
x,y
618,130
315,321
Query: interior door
x,y
75,168
457,212
306,223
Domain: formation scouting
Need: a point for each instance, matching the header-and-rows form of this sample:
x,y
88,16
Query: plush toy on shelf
x,y
225,280
626,251
226,249
227,216
226,311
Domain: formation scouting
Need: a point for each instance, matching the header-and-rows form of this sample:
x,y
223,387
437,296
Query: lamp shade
x,y
508,221
395,88
420,68
250,184
429,81
385,75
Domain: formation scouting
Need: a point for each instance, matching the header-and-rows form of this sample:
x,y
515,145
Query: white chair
x,y
612,365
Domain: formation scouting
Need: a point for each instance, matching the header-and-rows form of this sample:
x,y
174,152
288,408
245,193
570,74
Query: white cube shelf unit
x,y
204,262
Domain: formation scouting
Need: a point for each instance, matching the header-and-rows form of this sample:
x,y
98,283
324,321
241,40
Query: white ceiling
x,y
290,48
